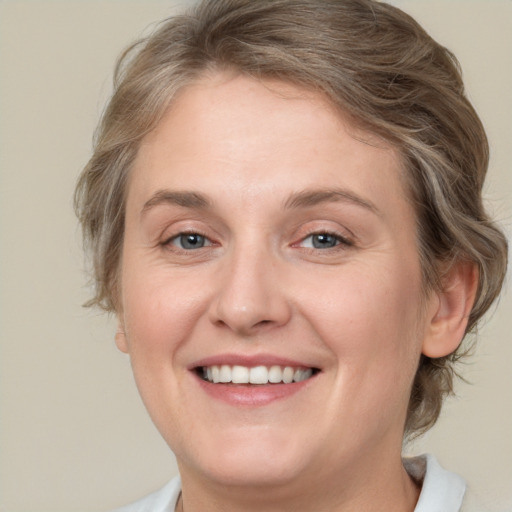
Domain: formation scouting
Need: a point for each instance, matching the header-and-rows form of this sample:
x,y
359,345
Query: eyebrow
x,y
308,198
184,199
302,199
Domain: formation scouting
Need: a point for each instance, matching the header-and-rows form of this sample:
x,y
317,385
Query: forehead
x,y
237,128
238,96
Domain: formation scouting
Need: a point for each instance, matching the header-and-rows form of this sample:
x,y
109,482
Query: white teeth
x,y
258,375
300,375
255,375
225,373
288,374
239,375
275,374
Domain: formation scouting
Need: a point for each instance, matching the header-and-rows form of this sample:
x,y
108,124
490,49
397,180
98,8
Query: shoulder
x,y
163,500
441,490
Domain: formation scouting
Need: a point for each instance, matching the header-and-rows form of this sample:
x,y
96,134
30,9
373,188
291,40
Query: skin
x,y
356,311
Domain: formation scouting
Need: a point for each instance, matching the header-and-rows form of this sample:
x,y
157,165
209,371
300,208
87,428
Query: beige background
x,y
73,433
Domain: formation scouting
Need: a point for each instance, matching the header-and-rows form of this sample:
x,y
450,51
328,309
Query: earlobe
x,y
452,307
120,338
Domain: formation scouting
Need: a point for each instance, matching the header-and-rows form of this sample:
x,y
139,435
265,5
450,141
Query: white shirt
x,y
441,490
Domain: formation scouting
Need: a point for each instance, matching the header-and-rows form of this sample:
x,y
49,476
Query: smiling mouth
x,y
259,375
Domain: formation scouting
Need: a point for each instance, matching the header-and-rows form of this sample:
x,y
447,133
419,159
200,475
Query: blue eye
x,y
190,241
323,241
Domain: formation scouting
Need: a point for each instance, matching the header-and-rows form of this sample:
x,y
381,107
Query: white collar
x,y
441,491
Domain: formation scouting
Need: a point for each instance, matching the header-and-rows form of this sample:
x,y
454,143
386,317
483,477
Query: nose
x,y
251,294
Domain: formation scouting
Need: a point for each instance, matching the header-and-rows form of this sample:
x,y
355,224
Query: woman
x,y
284,210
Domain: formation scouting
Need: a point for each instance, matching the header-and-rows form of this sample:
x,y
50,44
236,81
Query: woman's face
x,y
268,239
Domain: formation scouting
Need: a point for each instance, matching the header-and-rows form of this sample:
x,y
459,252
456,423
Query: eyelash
x,y
170,241
341,242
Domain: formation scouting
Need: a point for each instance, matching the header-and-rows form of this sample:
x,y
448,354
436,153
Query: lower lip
x,y
251,394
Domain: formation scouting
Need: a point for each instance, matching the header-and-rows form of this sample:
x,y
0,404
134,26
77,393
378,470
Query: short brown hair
x,y
372,61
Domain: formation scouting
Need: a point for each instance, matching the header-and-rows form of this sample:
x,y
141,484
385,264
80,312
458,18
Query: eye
x,y
190,241
323,241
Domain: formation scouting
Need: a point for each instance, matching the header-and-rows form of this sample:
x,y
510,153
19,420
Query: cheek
x,y
159,309
370,320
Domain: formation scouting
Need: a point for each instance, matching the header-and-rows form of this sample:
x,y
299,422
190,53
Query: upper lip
x,y
249,361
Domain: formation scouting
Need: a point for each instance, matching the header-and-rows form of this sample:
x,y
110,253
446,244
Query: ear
x,y
448,317
120,338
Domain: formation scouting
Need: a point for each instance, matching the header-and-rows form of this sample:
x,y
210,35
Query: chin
x,y
261,459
